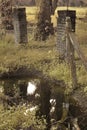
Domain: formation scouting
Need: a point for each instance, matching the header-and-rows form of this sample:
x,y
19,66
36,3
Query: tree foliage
x,y
6,13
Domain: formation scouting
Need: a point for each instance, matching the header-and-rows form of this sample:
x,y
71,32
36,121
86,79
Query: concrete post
x,y
20,25
61,30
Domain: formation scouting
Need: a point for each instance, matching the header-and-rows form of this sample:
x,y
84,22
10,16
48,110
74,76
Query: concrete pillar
x,y
61,30
20,25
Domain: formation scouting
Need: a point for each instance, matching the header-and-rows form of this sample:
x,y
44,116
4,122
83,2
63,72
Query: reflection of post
x,y
23,89
70,53
75,124
65,111
44,106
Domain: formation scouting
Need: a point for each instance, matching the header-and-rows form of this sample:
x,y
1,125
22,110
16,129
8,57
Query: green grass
x,y
32,54
17,118
42,56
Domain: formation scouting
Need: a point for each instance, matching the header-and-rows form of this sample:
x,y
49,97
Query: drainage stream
x,y
48,98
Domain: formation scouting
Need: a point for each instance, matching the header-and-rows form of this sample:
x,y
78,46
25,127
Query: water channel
x,y
46,95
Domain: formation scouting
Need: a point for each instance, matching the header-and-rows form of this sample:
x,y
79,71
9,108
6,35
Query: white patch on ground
x,y
31,109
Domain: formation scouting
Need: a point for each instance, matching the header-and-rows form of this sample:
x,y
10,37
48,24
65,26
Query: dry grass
x,y
81,12
31,14
32,11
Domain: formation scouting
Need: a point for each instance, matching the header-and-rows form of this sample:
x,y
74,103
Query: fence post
x,y
70,53
20,25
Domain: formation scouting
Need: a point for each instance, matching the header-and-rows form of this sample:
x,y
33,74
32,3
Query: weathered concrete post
x,y
20,25
61,30
70,53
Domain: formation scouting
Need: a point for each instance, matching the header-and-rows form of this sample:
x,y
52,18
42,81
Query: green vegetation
x,y
18,118
40,56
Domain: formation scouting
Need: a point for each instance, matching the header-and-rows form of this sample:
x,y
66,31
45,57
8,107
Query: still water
x,y
46,97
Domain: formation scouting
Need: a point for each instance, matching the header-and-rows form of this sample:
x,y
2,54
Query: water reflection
x,y
31,88
33,91
45,98
37,95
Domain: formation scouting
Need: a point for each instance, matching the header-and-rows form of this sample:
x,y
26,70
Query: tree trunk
x,y
54,5
44,26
